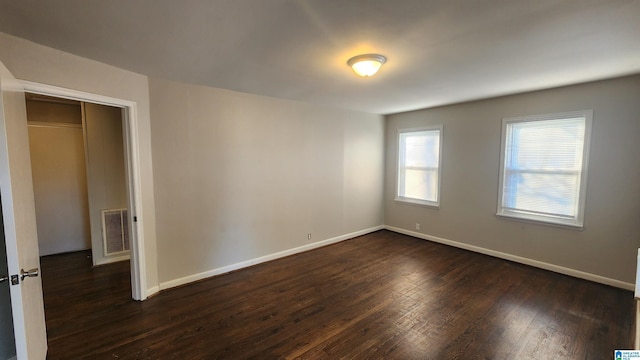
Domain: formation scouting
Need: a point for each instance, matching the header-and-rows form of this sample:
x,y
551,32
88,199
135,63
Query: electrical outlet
x,y
309,236
417,226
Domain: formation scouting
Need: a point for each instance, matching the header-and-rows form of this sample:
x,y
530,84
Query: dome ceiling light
x,y
367,64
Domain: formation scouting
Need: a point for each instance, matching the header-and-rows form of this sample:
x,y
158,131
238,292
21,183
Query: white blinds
x,y
543,162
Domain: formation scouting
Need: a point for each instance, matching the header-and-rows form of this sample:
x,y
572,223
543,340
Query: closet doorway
x,y
79,177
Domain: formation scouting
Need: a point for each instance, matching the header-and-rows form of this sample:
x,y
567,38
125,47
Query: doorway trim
x,y
132,171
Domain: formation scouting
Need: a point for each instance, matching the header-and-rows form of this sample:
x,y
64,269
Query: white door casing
x,y
19,220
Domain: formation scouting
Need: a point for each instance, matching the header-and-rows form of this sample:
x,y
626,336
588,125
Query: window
x,y
543,167
419,153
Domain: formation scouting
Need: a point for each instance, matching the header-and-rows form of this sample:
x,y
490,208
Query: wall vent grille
x,y
115,231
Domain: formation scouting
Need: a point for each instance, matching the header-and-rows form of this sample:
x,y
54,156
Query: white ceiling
x,y
439,52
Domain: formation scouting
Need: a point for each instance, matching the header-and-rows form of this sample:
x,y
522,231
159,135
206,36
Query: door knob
x,y
28,273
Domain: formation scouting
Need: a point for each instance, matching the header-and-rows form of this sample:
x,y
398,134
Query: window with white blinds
x,y
544,167
419,153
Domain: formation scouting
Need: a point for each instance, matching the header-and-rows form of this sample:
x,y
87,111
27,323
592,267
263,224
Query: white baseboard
x,y
518,259
110,260
152,291
225,269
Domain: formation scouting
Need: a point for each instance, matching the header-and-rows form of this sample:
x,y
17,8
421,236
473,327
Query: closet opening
x,y
79,169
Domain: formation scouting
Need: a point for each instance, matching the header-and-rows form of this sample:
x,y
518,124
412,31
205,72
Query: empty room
x,y
321,179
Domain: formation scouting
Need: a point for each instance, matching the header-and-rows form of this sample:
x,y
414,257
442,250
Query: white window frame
x,y
574,222
435,204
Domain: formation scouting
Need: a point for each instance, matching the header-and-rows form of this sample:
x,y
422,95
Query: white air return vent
x,y
115,231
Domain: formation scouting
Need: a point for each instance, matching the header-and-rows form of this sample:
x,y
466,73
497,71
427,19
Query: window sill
x,y
540,220
425,203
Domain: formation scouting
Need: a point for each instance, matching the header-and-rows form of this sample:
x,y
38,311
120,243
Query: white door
x,y
7,340
18,211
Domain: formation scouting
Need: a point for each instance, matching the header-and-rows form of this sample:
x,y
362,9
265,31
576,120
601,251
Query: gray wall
x,y
60,188
56,144
105,171
470,164
240,176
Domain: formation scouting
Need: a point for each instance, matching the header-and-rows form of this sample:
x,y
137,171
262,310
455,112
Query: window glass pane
x,y
542,193
422,148
421,184
546,145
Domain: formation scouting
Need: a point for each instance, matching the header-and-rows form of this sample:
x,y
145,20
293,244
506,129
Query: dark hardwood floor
x,y
379,296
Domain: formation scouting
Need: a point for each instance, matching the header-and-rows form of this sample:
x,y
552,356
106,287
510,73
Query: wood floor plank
x,y
378,296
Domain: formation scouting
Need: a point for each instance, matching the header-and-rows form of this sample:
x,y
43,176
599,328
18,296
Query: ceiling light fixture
x,y
367,64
